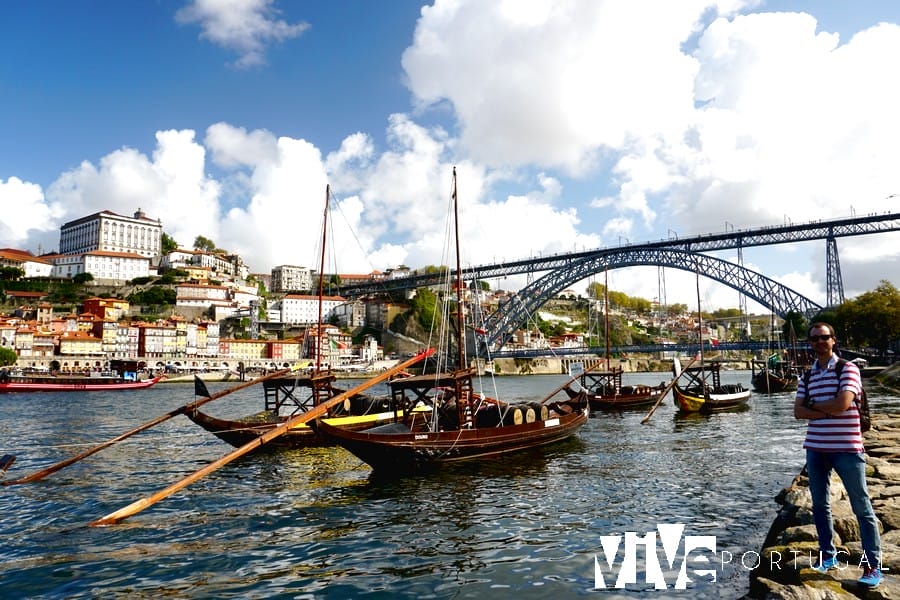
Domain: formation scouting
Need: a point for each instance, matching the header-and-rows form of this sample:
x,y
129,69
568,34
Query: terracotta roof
x,y
22,255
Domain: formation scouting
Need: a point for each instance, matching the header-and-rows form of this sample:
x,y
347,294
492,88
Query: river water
x,y
314,524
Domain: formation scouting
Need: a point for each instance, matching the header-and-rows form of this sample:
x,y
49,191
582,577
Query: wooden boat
x,y
434,435
772,377
441,419
699,389
71,382
290,396
605,391
287,397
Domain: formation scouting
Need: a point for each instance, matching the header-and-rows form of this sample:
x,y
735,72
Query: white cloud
x,y
573,120
31,217
244,26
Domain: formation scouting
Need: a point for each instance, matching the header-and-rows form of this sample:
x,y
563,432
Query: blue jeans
x,y
851,468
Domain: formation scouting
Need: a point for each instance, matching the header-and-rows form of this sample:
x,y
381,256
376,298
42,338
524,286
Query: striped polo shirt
x,y
840,432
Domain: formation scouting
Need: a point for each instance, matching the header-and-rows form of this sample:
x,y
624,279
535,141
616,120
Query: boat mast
x,y
460,331
699,313
606,310
322,279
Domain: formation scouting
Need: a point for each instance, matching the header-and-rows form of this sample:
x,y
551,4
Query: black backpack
x,y
861,401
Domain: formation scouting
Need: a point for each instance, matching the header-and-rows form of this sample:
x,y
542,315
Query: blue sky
x,y
573,123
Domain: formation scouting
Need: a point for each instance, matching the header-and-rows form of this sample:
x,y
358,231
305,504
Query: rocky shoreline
x,y
784,570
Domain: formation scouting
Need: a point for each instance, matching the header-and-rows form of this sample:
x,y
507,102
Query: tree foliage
x,y
11,273
153,296
82,278
8,357
204,244
168,244
425,309
872,319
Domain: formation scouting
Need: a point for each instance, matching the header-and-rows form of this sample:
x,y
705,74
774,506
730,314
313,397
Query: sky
x,y
573,124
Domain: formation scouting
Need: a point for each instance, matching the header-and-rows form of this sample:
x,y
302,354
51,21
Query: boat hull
x,y
767,382
395,449
694,400
73,384
240,432
641,397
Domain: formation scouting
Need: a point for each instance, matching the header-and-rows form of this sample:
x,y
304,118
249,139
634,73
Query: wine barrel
x,y
541,411
362,405
528,413
487,415
512,415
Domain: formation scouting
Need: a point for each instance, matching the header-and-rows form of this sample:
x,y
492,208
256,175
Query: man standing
x,y
834,441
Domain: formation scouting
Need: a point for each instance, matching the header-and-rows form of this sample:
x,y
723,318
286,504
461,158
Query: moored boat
x,y
444,420
432,435
605,391
71,382
772,377
286,397
699,389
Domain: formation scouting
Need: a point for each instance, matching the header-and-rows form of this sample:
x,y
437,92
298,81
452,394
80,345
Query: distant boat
x,y
699,389
773,376
605,391
71,382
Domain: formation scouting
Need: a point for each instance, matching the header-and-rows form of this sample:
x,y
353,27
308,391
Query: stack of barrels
x,y
495,415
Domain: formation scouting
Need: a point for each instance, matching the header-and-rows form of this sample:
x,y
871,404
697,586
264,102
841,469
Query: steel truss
x,y
501,325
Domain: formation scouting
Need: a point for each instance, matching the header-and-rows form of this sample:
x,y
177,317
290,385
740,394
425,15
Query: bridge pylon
x,y
834,283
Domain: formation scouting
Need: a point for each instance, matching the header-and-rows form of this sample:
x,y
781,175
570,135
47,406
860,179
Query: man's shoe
x,y
871,578
824,565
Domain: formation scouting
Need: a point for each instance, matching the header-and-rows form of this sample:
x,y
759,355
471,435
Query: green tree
x,y
424,308
11,273
8,357
794,326
204,244
153,296
82,278
168,243
871,319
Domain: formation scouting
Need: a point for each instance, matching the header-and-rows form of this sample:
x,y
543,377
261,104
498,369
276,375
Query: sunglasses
x,y
820,338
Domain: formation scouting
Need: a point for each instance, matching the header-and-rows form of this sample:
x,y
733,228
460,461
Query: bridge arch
x,y
501,325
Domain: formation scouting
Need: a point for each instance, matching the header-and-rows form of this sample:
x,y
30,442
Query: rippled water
x,y
314,524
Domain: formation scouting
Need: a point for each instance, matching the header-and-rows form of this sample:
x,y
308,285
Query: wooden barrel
x,y
362,405
448,417
512,415
528,413
541,411
487,415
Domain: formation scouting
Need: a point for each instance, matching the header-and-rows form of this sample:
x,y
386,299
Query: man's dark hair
x,y
818,324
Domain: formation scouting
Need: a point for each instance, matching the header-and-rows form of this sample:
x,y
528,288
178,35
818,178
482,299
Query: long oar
x,y
139,505
665,392
172,413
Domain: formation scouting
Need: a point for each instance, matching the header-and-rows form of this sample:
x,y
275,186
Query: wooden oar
x,y
666,391
139,505
172,413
